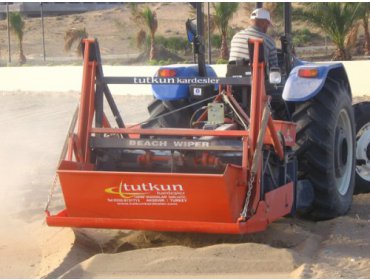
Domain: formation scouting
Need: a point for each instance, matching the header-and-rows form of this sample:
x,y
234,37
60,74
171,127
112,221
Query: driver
x,y
260,19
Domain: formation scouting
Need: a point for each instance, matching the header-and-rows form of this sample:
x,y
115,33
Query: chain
x,y
62,157
51,193
244,213
256,158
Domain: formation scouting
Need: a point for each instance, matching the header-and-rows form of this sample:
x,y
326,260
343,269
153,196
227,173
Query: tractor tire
x,y
362,118
325,148
180,119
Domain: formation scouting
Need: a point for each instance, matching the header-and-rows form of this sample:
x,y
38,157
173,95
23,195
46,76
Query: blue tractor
x,y
317,97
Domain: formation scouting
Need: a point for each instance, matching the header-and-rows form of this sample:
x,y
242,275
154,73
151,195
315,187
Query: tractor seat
x,y
238,68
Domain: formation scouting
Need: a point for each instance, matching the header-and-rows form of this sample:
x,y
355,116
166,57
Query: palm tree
x,y
351,37
145,19
365,14
150,21
224,12
75,35
17,25
337,19
276,9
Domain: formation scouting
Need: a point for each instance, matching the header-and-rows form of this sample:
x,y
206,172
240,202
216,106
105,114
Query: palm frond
x,y
150,19
74,35
336,19
224,11
17,24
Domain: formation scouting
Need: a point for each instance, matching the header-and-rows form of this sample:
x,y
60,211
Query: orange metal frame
x,y
172,201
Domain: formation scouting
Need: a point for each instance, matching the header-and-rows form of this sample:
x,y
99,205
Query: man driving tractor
x,y
261,21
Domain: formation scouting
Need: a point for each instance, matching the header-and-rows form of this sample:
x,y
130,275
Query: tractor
x,y
317,97
218,154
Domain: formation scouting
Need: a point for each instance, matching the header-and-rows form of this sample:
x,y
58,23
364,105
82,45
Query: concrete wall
x,y
68,78
33,8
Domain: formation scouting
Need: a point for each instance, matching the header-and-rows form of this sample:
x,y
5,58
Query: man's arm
x,y
272,57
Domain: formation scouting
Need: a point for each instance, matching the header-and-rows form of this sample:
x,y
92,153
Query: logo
x,y
125,190
175,80
197,91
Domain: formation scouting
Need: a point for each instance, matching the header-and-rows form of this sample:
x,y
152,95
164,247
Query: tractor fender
x,y
179,91
298,89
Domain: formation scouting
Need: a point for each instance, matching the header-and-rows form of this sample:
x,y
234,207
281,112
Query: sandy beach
x,y
35,125
37,105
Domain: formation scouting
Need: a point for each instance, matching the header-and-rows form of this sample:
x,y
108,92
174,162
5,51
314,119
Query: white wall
x,y
68,78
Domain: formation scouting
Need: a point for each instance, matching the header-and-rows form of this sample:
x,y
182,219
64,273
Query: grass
x,y
303,37
177,44
160,62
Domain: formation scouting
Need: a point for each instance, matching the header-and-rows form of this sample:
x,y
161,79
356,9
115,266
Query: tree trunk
x,y
22,57
224,48
367,37
152,54
341,54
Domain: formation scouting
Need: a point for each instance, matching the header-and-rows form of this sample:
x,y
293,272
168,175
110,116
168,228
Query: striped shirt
x,y
239,45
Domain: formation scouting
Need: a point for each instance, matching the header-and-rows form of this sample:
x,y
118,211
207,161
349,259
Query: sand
x,y
290,248
34,126
34,121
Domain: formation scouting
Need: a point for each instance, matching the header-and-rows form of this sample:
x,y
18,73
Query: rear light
x,y
308,72
166,73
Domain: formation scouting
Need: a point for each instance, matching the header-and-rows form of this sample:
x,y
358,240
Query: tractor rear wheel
x,y
362,117
179,119
325,148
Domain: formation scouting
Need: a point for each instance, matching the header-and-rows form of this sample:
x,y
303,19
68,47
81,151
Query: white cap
x,y
261,13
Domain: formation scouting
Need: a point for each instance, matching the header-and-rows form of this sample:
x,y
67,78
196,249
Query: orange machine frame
x,y
210,203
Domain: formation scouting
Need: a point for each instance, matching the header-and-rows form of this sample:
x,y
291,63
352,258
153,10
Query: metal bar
x,y
113,106
255,104
258,97
91,109
175,80
108,95
209,34
261,129
287,18
99,106
43,30
237,106
261,135
200,31
8,29
245,160
77,148
171,132
70,148
228,102
253,225
84,102
68,144
86,111
288,34
167,144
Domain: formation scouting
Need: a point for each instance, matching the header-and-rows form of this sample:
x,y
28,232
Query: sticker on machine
x,y
146,194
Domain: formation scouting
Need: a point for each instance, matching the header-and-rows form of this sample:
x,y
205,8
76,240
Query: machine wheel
x,y
326,149
362,117
178,119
